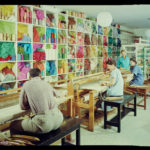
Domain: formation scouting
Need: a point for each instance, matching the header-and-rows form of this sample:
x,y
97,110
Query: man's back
x,y
39,94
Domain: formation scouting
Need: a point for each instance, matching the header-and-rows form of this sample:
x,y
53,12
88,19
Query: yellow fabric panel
x,y
22,29
7,9
9,65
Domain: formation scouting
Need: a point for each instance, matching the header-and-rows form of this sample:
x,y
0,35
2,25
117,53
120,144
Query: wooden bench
x,y
116,121
9,95
140,90
74,87
68,126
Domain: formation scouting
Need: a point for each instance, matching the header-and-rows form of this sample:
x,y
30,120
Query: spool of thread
x,y
27,18
41,39
21,56
55,40
3,16
61,41
0,13
54,35
49,40
4,37
30,16
7,37
51,34
61,25
13,37
1,36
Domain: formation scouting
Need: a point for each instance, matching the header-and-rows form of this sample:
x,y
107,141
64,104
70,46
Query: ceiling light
x,y
104,19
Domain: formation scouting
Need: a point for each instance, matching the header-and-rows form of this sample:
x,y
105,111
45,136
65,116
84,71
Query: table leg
x,y
78,136
105,115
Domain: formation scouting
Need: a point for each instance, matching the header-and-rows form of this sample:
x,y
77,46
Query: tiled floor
x,y
134,131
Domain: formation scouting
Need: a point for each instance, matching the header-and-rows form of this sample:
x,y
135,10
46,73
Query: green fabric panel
x,y
9,77
40,30
6,49
48,46
26,56
40,49
7,27
20,50
80,21
110,32
61,17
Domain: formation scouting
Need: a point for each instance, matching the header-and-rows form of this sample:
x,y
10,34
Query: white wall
x,y
141,32
126,38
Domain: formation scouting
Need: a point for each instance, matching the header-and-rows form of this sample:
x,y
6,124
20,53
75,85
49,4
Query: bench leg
x,y
91,119
123,109
145,100
78,136
69,113
119,118
63,141
135,105
91,113
73,110
105,115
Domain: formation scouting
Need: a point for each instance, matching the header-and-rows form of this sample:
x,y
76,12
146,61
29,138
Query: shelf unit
x,y
40,33
141,51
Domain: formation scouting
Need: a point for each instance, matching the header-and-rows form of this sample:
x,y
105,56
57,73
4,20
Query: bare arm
x,y
109,83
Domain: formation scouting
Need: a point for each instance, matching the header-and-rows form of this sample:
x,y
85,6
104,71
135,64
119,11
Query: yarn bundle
x,y
80,53
80,38
104,40
71,23
50,20
71,65
38,52
71,37
7,73
93,40
24,51
23,69
87,39
50,68
39,65
79,65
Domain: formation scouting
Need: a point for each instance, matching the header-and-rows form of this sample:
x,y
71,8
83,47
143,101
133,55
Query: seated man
x,y
138,78
115,85
37,95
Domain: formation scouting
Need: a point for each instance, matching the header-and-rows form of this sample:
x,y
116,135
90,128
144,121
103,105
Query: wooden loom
x,y
74,88
16,112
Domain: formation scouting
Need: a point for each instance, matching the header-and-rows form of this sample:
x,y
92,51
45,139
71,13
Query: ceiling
x,y
135,16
